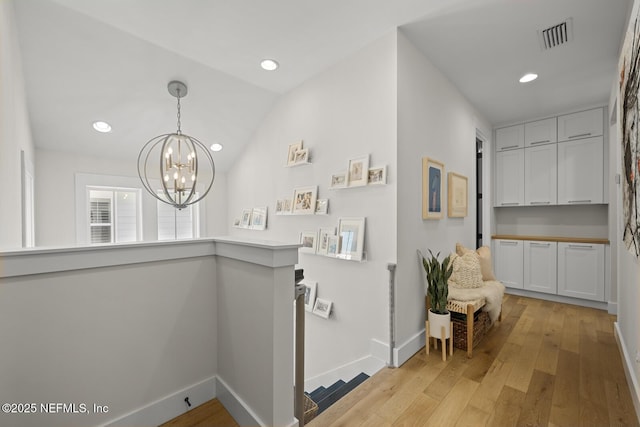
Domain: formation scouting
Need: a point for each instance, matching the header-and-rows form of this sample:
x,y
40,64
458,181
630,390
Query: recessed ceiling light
x,y
216,147
102,126
269,64
528,78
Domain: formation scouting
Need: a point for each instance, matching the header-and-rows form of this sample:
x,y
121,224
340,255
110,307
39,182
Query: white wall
x,y
345,112
120,336
55,193
15,134
434,120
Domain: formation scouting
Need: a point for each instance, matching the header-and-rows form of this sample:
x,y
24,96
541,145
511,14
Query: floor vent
x,y
556,35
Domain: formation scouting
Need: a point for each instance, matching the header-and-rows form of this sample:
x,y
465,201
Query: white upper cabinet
x,y
510,138
585,124
581,171
541,175
540,132
510,178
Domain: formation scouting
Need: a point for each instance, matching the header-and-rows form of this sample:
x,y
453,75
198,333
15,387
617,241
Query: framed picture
x,y
323,240
322,206
279,207
245,219
338,180
309,240
259,218
457,195
291,155
309,294
236,222
304,200
432,188
322,308
301,156
378,176
351,232
357,173
287,207
333,246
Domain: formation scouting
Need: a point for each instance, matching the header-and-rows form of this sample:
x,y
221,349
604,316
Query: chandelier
x,y
171,165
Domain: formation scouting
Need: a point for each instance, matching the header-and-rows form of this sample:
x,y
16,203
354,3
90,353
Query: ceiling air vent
x,y
556,35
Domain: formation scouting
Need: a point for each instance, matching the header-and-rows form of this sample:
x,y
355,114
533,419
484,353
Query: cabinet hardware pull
x,y
509,243
511,146
580,135
579,201
540,142
540,244
509,204
540,203
581,246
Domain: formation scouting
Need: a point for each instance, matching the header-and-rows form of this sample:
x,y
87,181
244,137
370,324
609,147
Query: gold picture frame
x,y
432,188
457,195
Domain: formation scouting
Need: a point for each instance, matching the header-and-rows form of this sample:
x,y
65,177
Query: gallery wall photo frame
x,y
322,308
338,180
291,154
245,219
309,242
351,233
358,172
259,218
324,236
333,246
309,294
457,195
377,175
322,206
432,188
304,200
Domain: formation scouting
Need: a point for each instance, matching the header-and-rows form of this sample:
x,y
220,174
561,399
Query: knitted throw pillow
x,y
466,271
484,253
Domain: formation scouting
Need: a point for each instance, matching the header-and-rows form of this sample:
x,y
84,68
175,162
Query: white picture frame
x,y
322,206
309,242
333,246
338,180
309,294
323,240
304,200
377,175
245,219
259,218
322,308
301,156
358,172
291,154
351,232
236,223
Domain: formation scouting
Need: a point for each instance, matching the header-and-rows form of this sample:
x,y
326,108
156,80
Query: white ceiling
x,y
111,60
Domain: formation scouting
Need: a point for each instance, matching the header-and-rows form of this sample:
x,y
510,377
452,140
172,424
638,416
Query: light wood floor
x,y
545,364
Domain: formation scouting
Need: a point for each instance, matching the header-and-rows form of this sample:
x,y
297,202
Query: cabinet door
x,y
581,271
585,124
510,138
510,178
509,262
541,175
540,132
581,171
540,266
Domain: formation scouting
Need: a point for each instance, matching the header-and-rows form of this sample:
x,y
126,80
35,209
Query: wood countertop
x,y
592,240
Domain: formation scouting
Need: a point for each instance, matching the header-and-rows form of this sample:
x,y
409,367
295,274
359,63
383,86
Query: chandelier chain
x,y
178,115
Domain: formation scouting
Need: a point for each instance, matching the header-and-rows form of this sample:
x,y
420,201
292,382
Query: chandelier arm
x,y
162,181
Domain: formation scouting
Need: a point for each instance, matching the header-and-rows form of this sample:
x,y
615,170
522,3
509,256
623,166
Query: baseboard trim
x,y
238,409
558,298
368,364
612,308
634,387
380,350
168,407
409,348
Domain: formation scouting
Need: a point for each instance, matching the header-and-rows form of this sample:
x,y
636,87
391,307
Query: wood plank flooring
x,y
545,364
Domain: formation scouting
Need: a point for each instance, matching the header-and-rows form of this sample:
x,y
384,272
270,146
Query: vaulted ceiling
x,y
111,60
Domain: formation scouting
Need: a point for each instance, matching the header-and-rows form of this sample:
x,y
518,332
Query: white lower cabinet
x,y
540,266
509,262
581,270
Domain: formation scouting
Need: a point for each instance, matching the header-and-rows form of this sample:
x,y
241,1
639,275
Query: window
x,y
113,215
176,224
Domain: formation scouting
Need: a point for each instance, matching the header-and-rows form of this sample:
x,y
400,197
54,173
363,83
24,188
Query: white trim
x,y
380,350
558,298
239,410
612,308
368,364
253,251
410,347
168,407
634,388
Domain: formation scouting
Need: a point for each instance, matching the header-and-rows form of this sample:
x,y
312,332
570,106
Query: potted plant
x,y
438,274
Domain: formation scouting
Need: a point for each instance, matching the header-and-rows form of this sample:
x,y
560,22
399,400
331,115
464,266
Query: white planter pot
x,y
436,322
